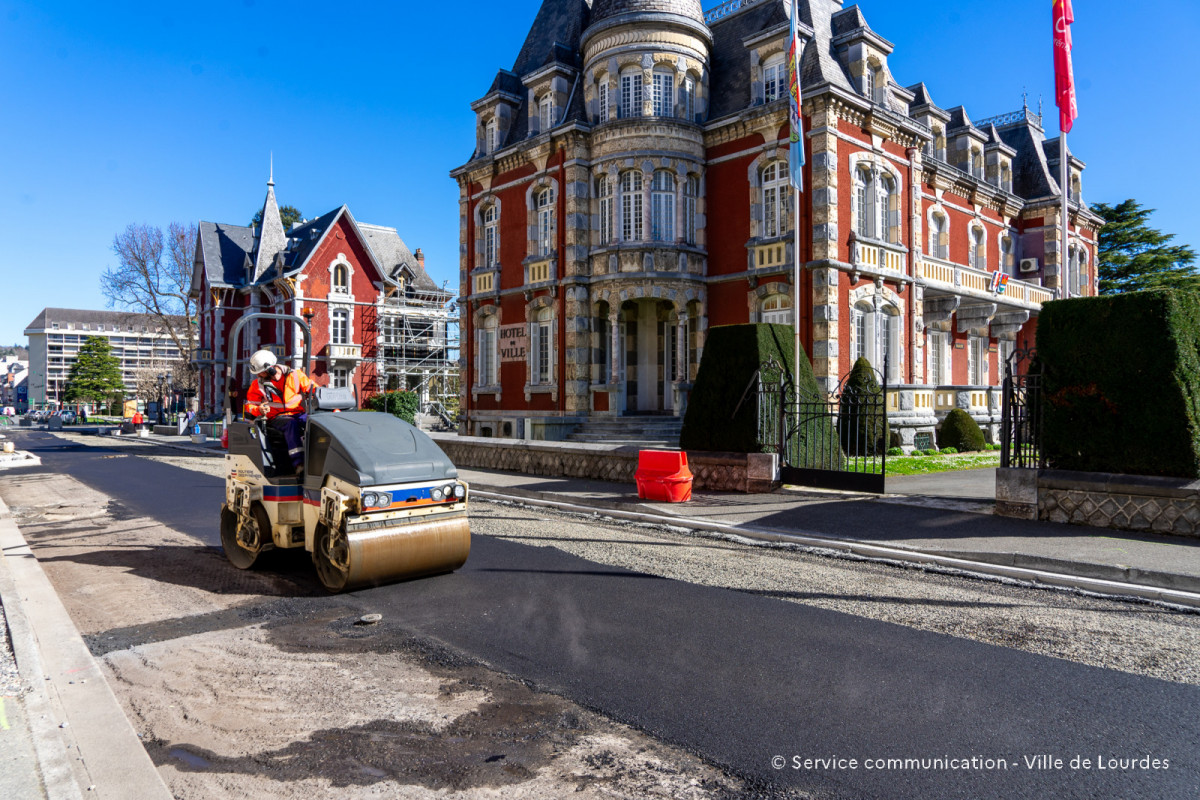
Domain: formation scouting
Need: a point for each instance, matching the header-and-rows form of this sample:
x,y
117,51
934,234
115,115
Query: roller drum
x,y
408,551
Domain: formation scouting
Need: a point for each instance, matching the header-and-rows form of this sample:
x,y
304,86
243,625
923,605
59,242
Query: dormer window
x,y
664,93
489,137
977,163
631,93
1006,177
774,78
546,116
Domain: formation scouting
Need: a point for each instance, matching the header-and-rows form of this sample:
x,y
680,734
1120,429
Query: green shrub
x,y
960,432
714,419
1121,385
895,451
861,419
948,451
401,404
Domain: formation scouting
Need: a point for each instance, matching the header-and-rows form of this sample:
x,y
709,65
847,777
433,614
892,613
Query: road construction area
x,y
579,655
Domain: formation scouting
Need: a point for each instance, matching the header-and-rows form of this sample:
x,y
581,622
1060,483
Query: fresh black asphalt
x,y
741,678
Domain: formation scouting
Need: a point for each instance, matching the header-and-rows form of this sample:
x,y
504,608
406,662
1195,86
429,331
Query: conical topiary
x,y
861,421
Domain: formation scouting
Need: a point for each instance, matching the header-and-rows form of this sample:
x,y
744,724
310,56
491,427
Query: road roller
x,y
377,501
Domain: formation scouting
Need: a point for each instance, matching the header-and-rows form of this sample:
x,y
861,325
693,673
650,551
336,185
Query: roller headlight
x,y
376,500
438,494
460,491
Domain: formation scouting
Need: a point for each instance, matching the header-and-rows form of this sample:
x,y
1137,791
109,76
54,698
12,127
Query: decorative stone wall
x,y
1101,500
730,472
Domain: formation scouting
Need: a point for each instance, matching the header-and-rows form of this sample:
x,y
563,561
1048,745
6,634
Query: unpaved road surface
x,y
258,684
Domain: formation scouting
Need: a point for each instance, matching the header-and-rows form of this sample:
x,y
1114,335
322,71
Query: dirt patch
x,y
257,684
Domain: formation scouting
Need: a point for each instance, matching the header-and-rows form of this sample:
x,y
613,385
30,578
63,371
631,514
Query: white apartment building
x,y
138,341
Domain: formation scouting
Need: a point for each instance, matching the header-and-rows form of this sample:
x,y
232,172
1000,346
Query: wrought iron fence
x,y
1021,412
836,440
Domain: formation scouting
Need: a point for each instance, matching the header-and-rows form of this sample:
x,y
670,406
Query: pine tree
x,y
96,373
1133,256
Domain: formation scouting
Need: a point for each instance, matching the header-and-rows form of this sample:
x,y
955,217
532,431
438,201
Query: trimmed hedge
x,y
400,404
961,432
732,354
1121,385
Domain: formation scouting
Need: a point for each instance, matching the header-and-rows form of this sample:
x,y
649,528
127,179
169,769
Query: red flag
x,y
1064,76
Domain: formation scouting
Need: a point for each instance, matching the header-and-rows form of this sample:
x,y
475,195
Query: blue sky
x,y
115,113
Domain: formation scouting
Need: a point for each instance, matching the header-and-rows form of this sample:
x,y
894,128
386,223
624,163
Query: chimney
x,y
420,258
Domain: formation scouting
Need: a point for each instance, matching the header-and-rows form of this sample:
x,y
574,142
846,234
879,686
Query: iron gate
x,y
1021,412
836,441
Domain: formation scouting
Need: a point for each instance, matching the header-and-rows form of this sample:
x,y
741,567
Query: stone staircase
x,y
645,431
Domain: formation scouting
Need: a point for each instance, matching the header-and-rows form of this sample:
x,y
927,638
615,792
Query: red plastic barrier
x,y
663,475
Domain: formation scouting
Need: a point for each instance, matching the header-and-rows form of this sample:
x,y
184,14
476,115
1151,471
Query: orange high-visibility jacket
x,y
286,395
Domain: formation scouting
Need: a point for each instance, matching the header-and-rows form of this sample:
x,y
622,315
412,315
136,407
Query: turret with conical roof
x,y
272,238
603,9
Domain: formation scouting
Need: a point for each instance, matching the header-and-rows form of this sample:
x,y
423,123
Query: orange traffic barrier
x,y
663,475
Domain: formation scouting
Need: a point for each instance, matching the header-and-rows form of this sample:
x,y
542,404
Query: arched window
x,y
774,182
691,194
978,249
869,77
488,344
1007,259
777,308
604,191
662,207
341,282
1005,177
858,318
339,326
878,81
664,92
939,144
489,136
864,201
490,233
977,163
541,345
774,78
631,93
602,100
545,222
631,206
689,98
546,115
939,236
888,208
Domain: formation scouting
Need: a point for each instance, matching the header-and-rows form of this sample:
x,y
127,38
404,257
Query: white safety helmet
x,y
261,361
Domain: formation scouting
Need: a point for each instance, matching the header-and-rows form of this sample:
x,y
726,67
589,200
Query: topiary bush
x,y
895,451
960,432
732,354
861,419
1121,383
401,404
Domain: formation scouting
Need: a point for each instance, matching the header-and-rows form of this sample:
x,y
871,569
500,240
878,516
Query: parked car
x,y
67,416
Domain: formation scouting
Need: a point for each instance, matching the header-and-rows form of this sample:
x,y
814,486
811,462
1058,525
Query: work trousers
x,y
292,428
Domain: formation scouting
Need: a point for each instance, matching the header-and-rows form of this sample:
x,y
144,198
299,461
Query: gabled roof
x,y
226,252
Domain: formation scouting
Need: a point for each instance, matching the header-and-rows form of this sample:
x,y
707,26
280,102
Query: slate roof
x,y
602,9
226,250
229,251
1032,178
557,21
729,87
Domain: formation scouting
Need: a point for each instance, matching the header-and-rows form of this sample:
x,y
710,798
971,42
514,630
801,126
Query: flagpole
x,y
796,288
1063,171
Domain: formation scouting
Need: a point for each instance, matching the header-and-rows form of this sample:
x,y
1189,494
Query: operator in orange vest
x,y
277,393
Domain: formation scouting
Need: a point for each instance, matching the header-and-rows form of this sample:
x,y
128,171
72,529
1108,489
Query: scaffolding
x,y
418,350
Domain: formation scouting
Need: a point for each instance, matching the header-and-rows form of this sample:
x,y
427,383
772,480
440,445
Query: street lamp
x,y
162,382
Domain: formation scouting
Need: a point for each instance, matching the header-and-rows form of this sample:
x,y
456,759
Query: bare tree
x,y
153,276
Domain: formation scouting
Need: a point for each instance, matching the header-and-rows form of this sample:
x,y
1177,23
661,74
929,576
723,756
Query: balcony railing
x,y
978,283
344,352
